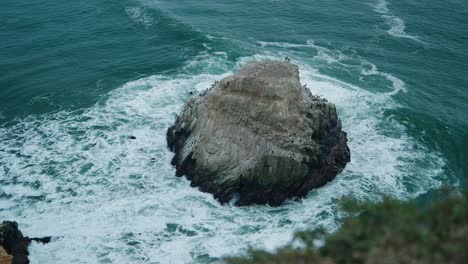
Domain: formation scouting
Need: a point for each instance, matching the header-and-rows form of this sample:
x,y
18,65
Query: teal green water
x,y
78,78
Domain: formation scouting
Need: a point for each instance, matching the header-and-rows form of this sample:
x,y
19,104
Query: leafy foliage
x,y
389,232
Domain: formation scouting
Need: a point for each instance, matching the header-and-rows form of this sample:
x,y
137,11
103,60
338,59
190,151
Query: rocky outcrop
x,y
13,246
259,136
12,240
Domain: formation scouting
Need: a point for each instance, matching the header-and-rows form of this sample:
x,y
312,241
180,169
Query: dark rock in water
x,y
42,240
12,240
258,135
132,137
15,245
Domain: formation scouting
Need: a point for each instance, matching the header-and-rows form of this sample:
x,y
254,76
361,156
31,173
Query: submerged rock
x,y
258,135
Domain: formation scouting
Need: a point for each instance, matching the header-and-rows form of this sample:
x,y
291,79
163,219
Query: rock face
x,y
13,246
4,257
13,242
259,136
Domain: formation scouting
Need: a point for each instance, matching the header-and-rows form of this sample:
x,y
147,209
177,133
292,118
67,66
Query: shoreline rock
x,y
13,245
258,135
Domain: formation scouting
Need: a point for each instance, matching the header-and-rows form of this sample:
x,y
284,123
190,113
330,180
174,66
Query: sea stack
x,y
258,136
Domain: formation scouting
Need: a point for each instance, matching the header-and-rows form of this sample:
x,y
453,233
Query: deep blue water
x,y
77,78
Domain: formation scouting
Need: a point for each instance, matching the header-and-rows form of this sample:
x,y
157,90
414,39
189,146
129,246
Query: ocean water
x,y
78,78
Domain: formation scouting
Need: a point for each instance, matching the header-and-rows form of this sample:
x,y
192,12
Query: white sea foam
x,y
381,7
284,44
110,199
308,44
330,56
336,58
141,16
397,84
396,24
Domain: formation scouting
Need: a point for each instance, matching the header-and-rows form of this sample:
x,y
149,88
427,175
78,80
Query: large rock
x,y
259,136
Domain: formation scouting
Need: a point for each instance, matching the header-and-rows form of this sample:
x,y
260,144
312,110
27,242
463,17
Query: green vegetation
x,y
389,232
